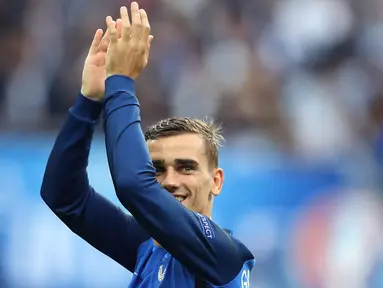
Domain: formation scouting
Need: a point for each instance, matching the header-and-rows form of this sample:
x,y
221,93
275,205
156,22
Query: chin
x,y
186,203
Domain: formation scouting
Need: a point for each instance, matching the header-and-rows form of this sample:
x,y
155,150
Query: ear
x,y
218,178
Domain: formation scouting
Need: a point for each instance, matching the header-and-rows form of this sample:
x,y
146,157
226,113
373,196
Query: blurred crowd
x,y
296,76
299,81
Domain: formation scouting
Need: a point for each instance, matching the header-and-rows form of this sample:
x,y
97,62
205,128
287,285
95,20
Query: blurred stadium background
x,y
298,85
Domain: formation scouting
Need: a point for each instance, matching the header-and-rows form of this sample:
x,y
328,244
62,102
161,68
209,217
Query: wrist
x,y
86,108
120,74
91,96
119,83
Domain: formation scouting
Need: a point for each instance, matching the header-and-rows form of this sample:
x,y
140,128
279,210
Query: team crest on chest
x,y
161,273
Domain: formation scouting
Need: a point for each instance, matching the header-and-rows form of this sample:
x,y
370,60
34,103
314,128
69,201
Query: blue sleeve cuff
x,y
119,83
86,109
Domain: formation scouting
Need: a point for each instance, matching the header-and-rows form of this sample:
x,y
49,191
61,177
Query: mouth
x,y
180,198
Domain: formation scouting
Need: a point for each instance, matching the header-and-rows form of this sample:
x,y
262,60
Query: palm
x,y
94,75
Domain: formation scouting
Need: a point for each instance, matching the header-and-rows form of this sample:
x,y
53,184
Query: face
x,y
182,167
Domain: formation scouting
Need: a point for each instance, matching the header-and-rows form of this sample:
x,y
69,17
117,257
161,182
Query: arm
x,y
194,240
66,190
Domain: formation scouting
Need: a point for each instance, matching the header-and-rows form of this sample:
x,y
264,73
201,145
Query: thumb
x,y
150,39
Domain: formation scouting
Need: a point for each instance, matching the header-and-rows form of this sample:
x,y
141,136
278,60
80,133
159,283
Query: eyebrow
x,y
160,163
186,162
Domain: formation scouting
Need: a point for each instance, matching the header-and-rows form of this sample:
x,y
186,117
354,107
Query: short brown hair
x,y
207,129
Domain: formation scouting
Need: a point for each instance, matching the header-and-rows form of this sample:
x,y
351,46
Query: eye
x,y
186,169
159,170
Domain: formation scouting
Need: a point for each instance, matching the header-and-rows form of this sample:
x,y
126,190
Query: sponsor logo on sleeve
x,y
206,226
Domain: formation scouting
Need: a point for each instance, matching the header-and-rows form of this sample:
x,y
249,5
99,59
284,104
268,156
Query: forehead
x,y
184,146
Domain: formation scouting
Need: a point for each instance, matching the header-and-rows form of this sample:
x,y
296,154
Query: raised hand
x,y
128,54
94,74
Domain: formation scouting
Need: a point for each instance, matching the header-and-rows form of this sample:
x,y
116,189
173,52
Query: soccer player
x,y
166,178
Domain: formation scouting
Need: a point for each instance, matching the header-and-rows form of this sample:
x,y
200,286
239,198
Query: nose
x,y
170,181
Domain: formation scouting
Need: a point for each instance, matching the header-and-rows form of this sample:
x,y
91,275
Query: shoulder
x,y
145,247
243,278
233,261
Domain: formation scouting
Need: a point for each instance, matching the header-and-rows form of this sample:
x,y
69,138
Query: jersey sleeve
x,y
66,190
193,239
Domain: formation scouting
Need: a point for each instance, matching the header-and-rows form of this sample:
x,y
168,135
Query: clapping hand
x,y
129,48
94,74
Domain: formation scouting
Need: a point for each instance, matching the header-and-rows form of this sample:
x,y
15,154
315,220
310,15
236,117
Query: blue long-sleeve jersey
x,y
193,246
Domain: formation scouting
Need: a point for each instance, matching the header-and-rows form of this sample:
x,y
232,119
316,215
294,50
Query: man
x,y
167,181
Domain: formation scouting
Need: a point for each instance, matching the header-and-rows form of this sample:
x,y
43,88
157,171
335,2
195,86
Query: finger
x,y
104,42
150,39
149,43
96,42
119,28
136,22
125,23
145,24
112,30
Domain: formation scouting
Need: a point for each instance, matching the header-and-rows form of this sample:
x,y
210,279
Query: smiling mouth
x,y
180,198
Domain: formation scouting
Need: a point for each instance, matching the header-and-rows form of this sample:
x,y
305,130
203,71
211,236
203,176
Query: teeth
x,y
180,198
